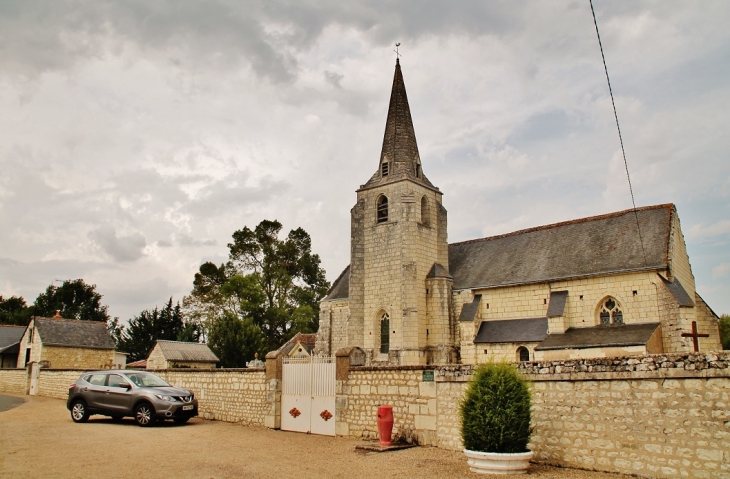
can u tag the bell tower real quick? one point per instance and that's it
(400, 288)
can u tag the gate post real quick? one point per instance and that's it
(272, 420)
(345, 358)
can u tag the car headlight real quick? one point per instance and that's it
(165, 398)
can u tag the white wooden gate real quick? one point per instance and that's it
(308, 395)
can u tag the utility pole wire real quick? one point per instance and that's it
(620, 138)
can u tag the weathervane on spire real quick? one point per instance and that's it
(397, 54)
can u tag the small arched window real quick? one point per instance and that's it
(385, 333)
(425, 211)
(523, 354)
(382, 209)
(610, 312)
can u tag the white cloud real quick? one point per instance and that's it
(721, 270)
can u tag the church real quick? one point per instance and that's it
(612, 285)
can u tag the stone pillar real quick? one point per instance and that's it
(272, 420)
(344, 359)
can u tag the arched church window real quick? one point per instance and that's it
(425, 211)
(382, 209)
(385, 333)
(610, 312)
(523, 354)
(384, 169)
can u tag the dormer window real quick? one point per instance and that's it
(384, 169)
(382, 208)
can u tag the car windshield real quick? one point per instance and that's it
(146, 380)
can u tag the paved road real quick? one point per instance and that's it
(9, 402)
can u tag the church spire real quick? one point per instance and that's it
(399, 156)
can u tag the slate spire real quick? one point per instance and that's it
(399, 156)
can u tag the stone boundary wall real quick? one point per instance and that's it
(54, 383)
(230, 395)
(14, 381)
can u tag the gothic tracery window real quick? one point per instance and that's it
(610, 312)
(382, 206)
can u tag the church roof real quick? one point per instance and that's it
(400, 149)
(529, 330)
(585, 247)
(603, 336)
(74, 333)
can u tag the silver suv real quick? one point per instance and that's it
(139, 394)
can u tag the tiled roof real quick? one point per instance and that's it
(585, 247)
(190, 352)
(469, 310)
(678, 291)
(400, 149)
(527, 330)
(10, 336)
(603, 336)
(557, 303)
(580, 248)
(142, 364)
(73, 333)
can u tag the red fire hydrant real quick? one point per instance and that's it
(385, 424)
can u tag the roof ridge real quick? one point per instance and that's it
(85, 321)
(566, 223)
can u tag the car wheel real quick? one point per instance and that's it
(181, 420)
(144, 415)
(79, 411)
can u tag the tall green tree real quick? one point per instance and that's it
(14, 310)
(275, 282)
(74, 299)
(236, 340)
(140, 335)
(725, 331)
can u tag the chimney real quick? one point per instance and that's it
(58, 314)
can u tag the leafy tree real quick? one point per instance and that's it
(235, 340)
(276, 283)
(74, 299)
(143, 331)
(14, 310)
(725, 331)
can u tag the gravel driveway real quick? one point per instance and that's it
(40, 440)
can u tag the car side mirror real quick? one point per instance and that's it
(125, 386)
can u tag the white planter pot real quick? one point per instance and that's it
(497, 462)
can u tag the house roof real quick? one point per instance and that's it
(469, 310)
(527, 330)
(189, 352)
(602, 336)
(340, 289)
(584, 247)
(142, 364)
(10, 336)
(74, 333)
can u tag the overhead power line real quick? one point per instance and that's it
(620, 138)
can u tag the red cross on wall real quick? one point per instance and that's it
(694, 335)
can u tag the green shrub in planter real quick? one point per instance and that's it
(495, 412)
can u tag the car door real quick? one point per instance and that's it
(94, 391)
(118, 395)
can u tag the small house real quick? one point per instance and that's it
(67, 344)
(178, 354)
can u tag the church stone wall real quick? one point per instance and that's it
(679, 266)
(333, 320)
(707, 323)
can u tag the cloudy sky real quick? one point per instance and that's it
(136, 136)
